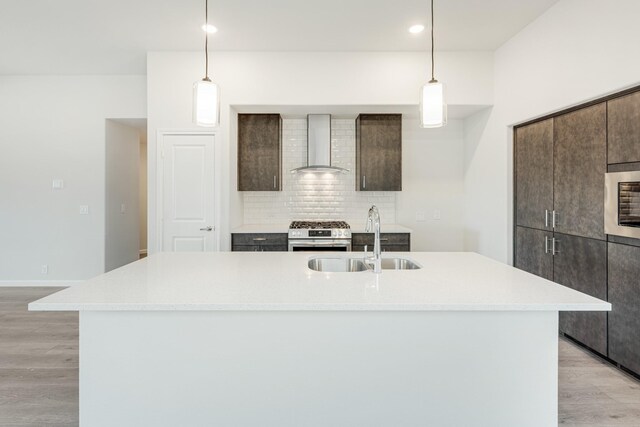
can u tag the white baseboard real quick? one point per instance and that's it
(38, 283)
(143, 252)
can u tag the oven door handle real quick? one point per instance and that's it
(308, 244)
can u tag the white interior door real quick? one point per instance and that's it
(188, 193)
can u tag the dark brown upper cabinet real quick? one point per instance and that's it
(624, 129)
(379, 152)
(259, 152)
(580, 162)
(534, 183)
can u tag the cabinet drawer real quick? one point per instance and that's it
(262, 239)
(386, 239)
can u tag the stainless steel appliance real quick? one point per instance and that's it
(622, 204)
(319, 236)
(319, 146)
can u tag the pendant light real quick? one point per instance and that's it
(433, 109)
(206, 94)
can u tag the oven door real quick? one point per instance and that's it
(320, 245)
(622, 204)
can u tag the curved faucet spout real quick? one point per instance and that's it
(373, 221)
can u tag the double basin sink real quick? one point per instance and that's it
(350, 265)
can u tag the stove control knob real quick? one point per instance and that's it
(335, 233)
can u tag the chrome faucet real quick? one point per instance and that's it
(373, 222)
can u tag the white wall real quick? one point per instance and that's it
(248, 78)
(432, 184)
(54, 127)
(578, 50)
(122, 234)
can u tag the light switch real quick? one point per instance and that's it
(436, 214)
(57, 184)
(123, 208)
(421, 216)
(84, 209)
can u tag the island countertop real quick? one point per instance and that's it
(282, 281)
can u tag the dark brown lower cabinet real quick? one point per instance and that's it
(581, 264)
(624, 296)
(532, 252)
(389, 242)
(259, 242)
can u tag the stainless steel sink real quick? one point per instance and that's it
(337, 265)
(399, 264)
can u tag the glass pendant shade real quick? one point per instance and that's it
(433, 109)
(206, 103)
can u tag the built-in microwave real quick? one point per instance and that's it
(622, 204)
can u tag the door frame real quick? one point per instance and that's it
(217, 174)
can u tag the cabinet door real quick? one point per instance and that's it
(623, 126)
(259, 152)
(624, 296)
(534, 174)
(581, 264)
(379, 152)
(580, 162)
(532, 252)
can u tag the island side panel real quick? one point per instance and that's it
(167, 368)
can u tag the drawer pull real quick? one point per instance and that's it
(259, 239)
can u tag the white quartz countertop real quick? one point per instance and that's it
(267, 281)
(284, 228)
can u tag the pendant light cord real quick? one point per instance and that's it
(206, 40)
(432, 46)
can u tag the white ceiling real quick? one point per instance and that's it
(112, 36)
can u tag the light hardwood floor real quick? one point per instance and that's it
(39, 372)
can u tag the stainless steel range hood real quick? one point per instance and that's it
(319, 146)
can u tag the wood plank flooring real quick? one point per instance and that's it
(39, 372)
(38, 362)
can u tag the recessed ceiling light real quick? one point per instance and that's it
(415, 29)
(209, 28)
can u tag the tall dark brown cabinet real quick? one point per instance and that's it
(379, 152)
(259, 152)
(580, 162)
(560, 164)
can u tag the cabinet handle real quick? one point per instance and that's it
(274, 181)
(554, 241)
(364, 181)
(384, 240)
(546, 245)
(554, 219)
(259, 239)
(546, 218)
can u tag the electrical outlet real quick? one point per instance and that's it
(44, 269)
(421, 216)
(57, 184)
(436, 214)
(123, 208)
(84, 209)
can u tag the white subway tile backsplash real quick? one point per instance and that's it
(309, 196)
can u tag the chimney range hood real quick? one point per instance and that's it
(319, 146)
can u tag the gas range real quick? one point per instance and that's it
(319, 229)
(319, 236)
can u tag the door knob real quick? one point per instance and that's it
(209, 228)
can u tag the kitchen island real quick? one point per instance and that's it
(260, 339)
